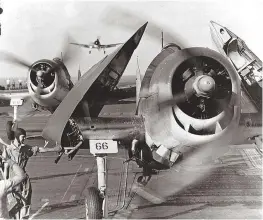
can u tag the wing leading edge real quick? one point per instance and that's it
(11, 94)
(109, 45)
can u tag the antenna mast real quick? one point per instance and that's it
(162, 39)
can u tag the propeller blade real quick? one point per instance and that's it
(67, 53)
(224, 105)
(11, 58)
(127, 20)
(197, 165)
(177, 99)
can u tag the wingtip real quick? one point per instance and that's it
(214, 24)
(145, 24)
(211, 24)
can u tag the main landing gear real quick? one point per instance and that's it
(93, 204)
(96, 200)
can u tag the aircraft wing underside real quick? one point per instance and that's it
(88, 96)
(120, 95)
(111, 128)
(9, 94)
(109, 45)
(83, 45)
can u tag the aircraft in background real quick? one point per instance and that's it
(247, 64)
(97, 45)
(188, 102)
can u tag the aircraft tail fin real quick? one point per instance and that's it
(138, 85)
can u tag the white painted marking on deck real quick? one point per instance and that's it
(150, 196)
(254, 158)
(71, 183)
(72, 198)
(38, 211)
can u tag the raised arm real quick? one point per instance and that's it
(57, 148)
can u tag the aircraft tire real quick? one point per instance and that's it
(93, 204)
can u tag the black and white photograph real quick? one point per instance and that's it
(131, 109)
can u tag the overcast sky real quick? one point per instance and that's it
(36, 29)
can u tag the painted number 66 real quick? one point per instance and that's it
(103, 146)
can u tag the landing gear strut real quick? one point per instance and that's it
(96, 201)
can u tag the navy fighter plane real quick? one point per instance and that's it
(97, 45)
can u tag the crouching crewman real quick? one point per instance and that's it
(7, 185)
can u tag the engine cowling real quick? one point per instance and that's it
(210, 114)
(48, 88)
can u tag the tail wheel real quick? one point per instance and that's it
(93, 204)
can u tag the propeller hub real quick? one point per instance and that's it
(204, 85)
(40, 73)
